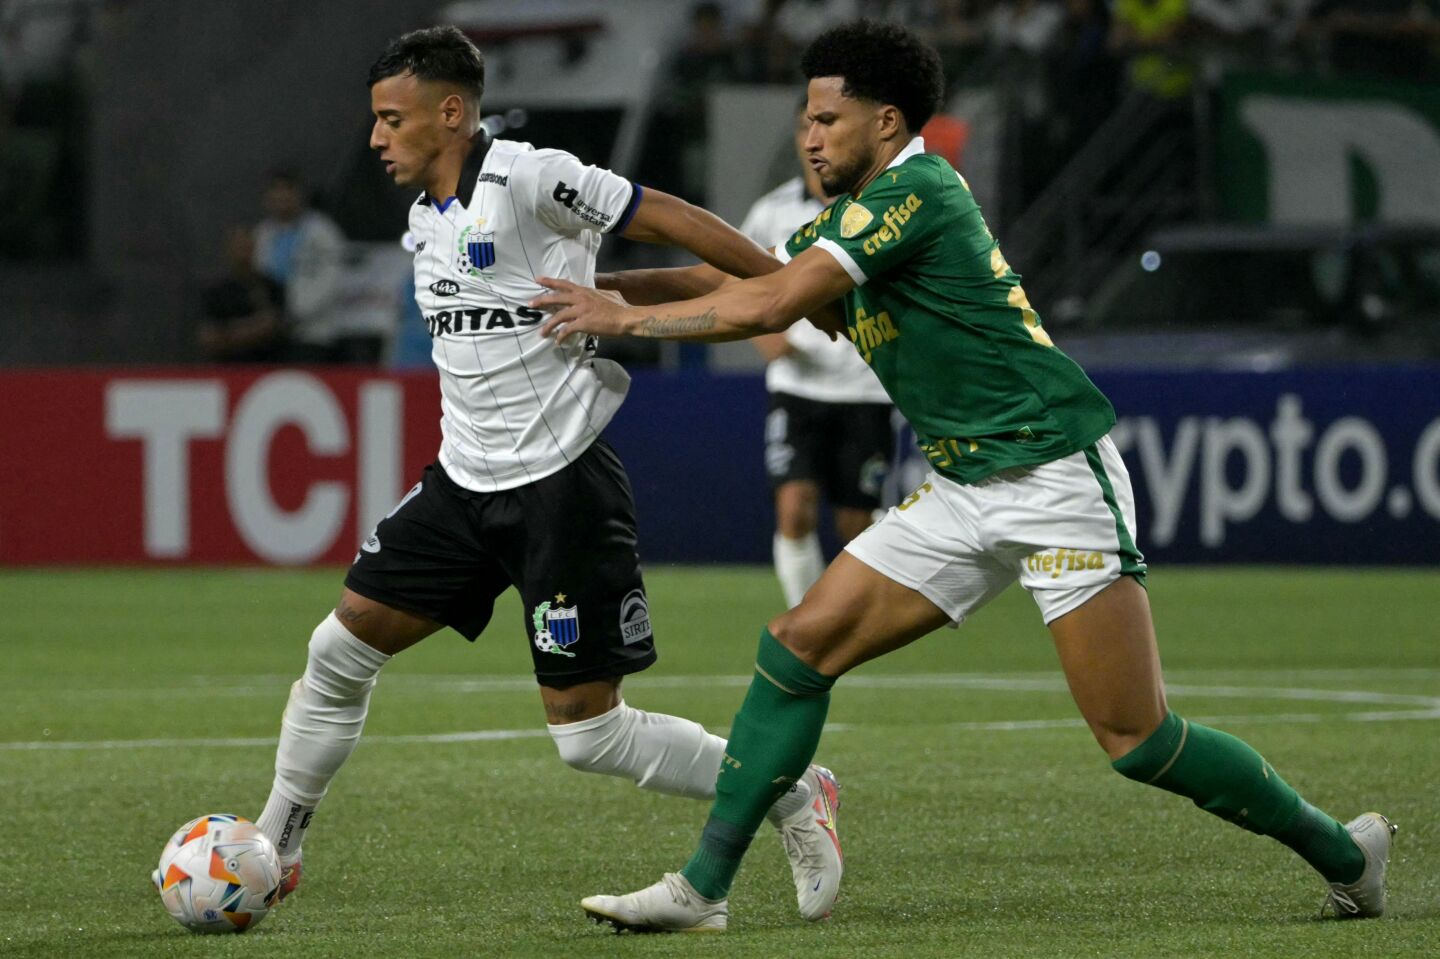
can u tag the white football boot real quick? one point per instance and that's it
(813, 845)
(671, 905)
(1365, 897)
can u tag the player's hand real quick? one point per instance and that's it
(579, 309)
(830, 320)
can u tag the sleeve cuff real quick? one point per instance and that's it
(636, 193)
(843, 258)
(782, 254)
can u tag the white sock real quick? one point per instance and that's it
(285, 822)
(798, 564)
(319, 731)
(661, 753)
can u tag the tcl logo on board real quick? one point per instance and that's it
(167, 416)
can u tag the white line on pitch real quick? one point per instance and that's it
(1036, 682)
(477, 735)
(494, 735)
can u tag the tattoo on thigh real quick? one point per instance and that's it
(558, 713)
(349, 614)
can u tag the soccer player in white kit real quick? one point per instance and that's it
(525, 492)
(828, 430)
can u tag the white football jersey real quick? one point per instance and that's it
(515, 407)
(830, 371)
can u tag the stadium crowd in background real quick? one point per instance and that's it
(1062, 66)
(1058, 68)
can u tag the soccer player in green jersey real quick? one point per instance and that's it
(1025, 484)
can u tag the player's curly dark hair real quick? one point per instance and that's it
(434, 53)
(883, 62)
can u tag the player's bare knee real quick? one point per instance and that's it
(1120, 737)
(809, 631)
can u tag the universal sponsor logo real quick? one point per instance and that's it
(569, 197)
(499, 179)
(444, 287)
(634, 618)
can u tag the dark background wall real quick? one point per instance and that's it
(190, 106)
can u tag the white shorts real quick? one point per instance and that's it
(1065, 529)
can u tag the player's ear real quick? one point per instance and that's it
(453, 111)
(889, 121)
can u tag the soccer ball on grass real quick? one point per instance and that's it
(218, 873)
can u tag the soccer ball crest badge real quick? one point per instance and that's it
(556, 628)
(476, 250)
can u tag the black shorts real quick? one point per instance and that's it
(566, 542)
(844, 448)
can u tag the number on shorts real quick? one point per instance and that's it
(914, 497)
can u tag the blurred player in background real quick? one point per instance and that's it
(526, 493)
(1025, 484)
(828, 430)
(303, 250)
(241, 313)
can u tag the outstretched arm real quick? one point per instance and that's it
(662, 218)
(734, 311)
(646, 287)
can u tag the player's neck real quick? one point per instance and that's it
(444, 176)
(884, 156)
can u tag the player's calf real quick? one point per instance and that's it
(1227, 778)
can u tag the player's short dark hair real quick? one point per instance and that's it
(883, 62)
(434, 53)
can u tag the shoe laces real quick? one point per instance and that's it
(802, 844)
(1341, 902)
(680, 890)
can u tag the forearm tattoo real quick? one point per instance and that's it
(677, 325)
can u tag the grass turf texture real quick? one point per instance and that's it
(979, 818)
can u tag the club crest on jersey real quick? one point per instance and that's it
(856, 218)
(556, 628)
(476, 249)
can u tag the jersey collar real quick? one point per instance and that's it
(469, 176)
(914, 148)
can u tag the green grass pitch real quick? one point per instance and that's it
(979, 818)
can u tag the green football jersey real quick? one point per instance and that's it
(945, 324)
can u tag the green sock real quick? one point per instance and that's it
(1226, 777)
(771, 744)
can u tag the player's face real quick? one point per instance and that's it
(410, 126)
(842, 140)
